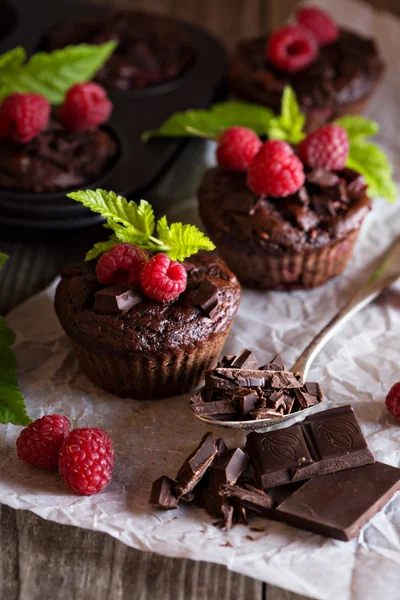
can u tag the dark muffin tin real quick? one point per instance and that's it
(138, 164)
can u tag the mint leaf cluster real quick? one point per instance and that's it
(51, 74)
(135, 223)
(212, 122)
(12, 405)
(289, 125)
(367, 158)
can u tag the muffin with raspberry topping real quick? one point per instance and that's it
(144, 325)
(333, 71)
(292, 218)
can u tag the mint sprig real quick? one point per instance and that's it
(367, 158)
(212, 122)
(51, 74)
(12, 405)
(135, 223)
(289, 125)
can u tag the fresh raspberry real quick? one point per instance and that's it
(163, 279)
(393, 401)
(327, 148)
(292, 48)
(39, 444)
(23, 117)
(86, 460)
(319, 23)
(122, 264)
(86, 106)
(275, 171)
(237, 148)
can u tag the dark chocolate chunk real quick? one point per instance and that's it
(322, 178)
(285, 380)
(303, 195)
(265, 413)
(246, 399)
(221, 447)
(228, 468)
(338, 505)
(244, 360)
(116, 298)
(313, 388)
(243, 377)
(188, 498)
(162, 494)
(306, 400)
(206, 297)
(251, 499)
(195, 465)
(216, 380)
(328, 441)
(227, 360)
(225, 406)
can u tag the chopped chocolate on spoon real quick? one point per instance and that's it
(237, 390)
(338, 505)
(326, 442)
(116, 298)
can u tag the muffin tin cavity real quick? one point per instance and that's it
(137, 165)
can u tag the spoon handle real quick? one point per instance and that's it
(386, 273)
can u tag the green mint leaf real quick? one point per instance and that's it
(358, 127)
(289, 125)
(52, 74)
(181, 241)
(369, 160)
(13, 58)
(12, 405)
(3, 259)
(101, 247)
(211, 123)
(137, 220)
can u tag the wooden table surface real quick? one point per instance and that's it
(41, 560)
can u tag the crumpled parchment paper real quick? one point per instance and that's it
(153, 438)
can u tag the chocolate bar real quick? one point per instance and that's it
(116, 298)
(338, 505)
(237, 390)
(326, 442)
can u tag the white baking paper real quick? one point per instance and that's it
(152, 438)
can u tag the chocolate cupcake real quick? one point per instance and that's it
(332, 71)
(151, 49)
(152, 349)
(146, 326)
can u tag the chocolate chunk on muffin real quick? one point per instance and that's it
(153, 349)
(151, 49)
(331, 77)
(297, 241)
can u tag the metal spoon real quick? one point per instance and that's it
(385, 274)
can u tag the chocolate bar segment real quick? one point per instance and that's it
(326, 442)
(338, 505)
(195, 465)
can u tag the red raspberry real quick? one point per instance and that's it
(237, 148)
(275, 171)
(23, 117)
(39, 443)
(327, 147)
(122, 264)
(163, 279)
(291, 48)
(393, 401)
(86, 106)
(319, 23)
(86, 460)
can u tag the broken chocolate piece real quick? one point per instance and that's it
(251, 499)
(338, 505)
(227, 360)
(195, 465)
(229, 468)
(206, 297)
(313, 388)
(322, 178)
(265, 413)
(162, 495)
(215, 380)
(329, 441)
(225, 406)
(306, 400)
(244, 360)
(116, 298)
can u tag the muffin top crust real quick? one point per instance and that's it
(344, 71)
(149, 326)
(327, 207)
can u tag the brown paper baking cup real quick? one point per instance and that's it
(308, 269)
(144, 376)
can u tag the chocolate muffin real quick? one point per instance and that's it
(56, 160)
(151, 49)
(152, 350)
(299, 241)
(339, 81)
